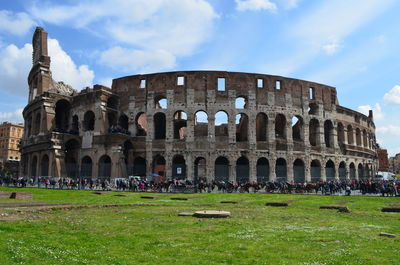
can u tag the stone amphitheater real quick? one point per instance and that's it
(196, 125)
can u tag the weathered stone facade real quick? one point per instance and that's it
(193, 124)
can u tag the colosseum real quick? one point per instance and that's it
(195, 125)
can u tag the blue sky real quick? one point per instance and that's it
(351, 45)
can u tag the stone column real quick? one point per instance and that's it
(323, 172)
(232, 170)
(272, 164)
(289, 170)
(345, 138)
(271, 132)
(210, 170)
(189, 167)
(253, 168)
(190, 128)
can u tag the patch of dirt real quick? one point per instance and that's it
(343, 203)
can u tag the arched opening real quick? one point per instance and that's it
(342, 170)
(88, 121)
(112, 121)
(242, 127)
(72, 148)
(365, 139)
(34, 167)
(350, 138)
(315, 171)
(261, 126)
(159, 165)
(352, 171)
(180, 125)
(313, 109)
(298, 171)
(44, 166)
(262, 170)
(123, 122)
(201, 124)
(63, 108)
(358, 137)
(281, 170)
(240, 103)
(340, 133)
(141, 124)
(86, 167)
(314, 132)
(37, 124)
(178, 167)
(222, 169)
(360, 171)
(112, 102)
(75, 125)
(105, 167)
(280, 126)
(139, 167)
(29, 126)
(159, 126)
(242, 170)
(127, 151)
(161, 103)
(221, 124)
(330, 170)
(200, 169)
(297, 128)
(328, 133)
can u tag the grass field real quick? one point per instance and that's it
(150, 232)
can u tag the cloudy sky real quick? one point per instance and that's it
(351, 45)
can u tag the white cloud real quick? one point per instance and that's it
(389, 130)
(141, 61)
(377, 111)
(15, 64)
(147, 28)
(331, 47)
(290, 4)
(255, 5)
(106, 81)
(13, 116)
(15, 23)
(64, 69)
(393, 96)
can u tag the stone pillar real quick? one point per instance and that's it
(210, 170)
(323, 172)
(345, 138)
(289, 170)
(189, 167)
(253, 168)
(272, 164)
(168, 165)
(190, 128)
(307, 169)
(271, 132)
(232, 170)
(306, 134)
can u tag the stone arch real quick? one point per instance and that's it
(360, 169)
(222, 169)
(313, 108)
(340, 135)
(200, 169)
(342, 170)
(75, 125)
(330, 170)
(242, 170)
(242, 127)
(86, 167)
(71, 149)
(178, 167)
(37, 123)
(159, 165)
(281, 170)
(241, 102)
(221, 124)
(141, 124)
(161, 102)
(328, 133)
(63, 109)
(299, 171)
(280, 126)
(350, 136)
(261, 126)
(34, 167)
(180, 125)
(297, 128)
(352, 171)
(159, 122)
(139, 167)
(262, 169)
(358, 137)
(105, 167)
(44, 166)
(315, 170)
(200, 124)
(314, 132)
(123, 122)
(88, 121)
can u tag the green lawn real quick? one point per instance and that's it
(151, 232)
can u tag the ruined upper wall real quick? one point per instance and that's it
(263, 87)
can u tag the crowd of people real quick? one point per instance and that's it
(337, 187)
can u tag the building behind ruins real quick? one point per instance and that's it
(10, 135)
(191, 125)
